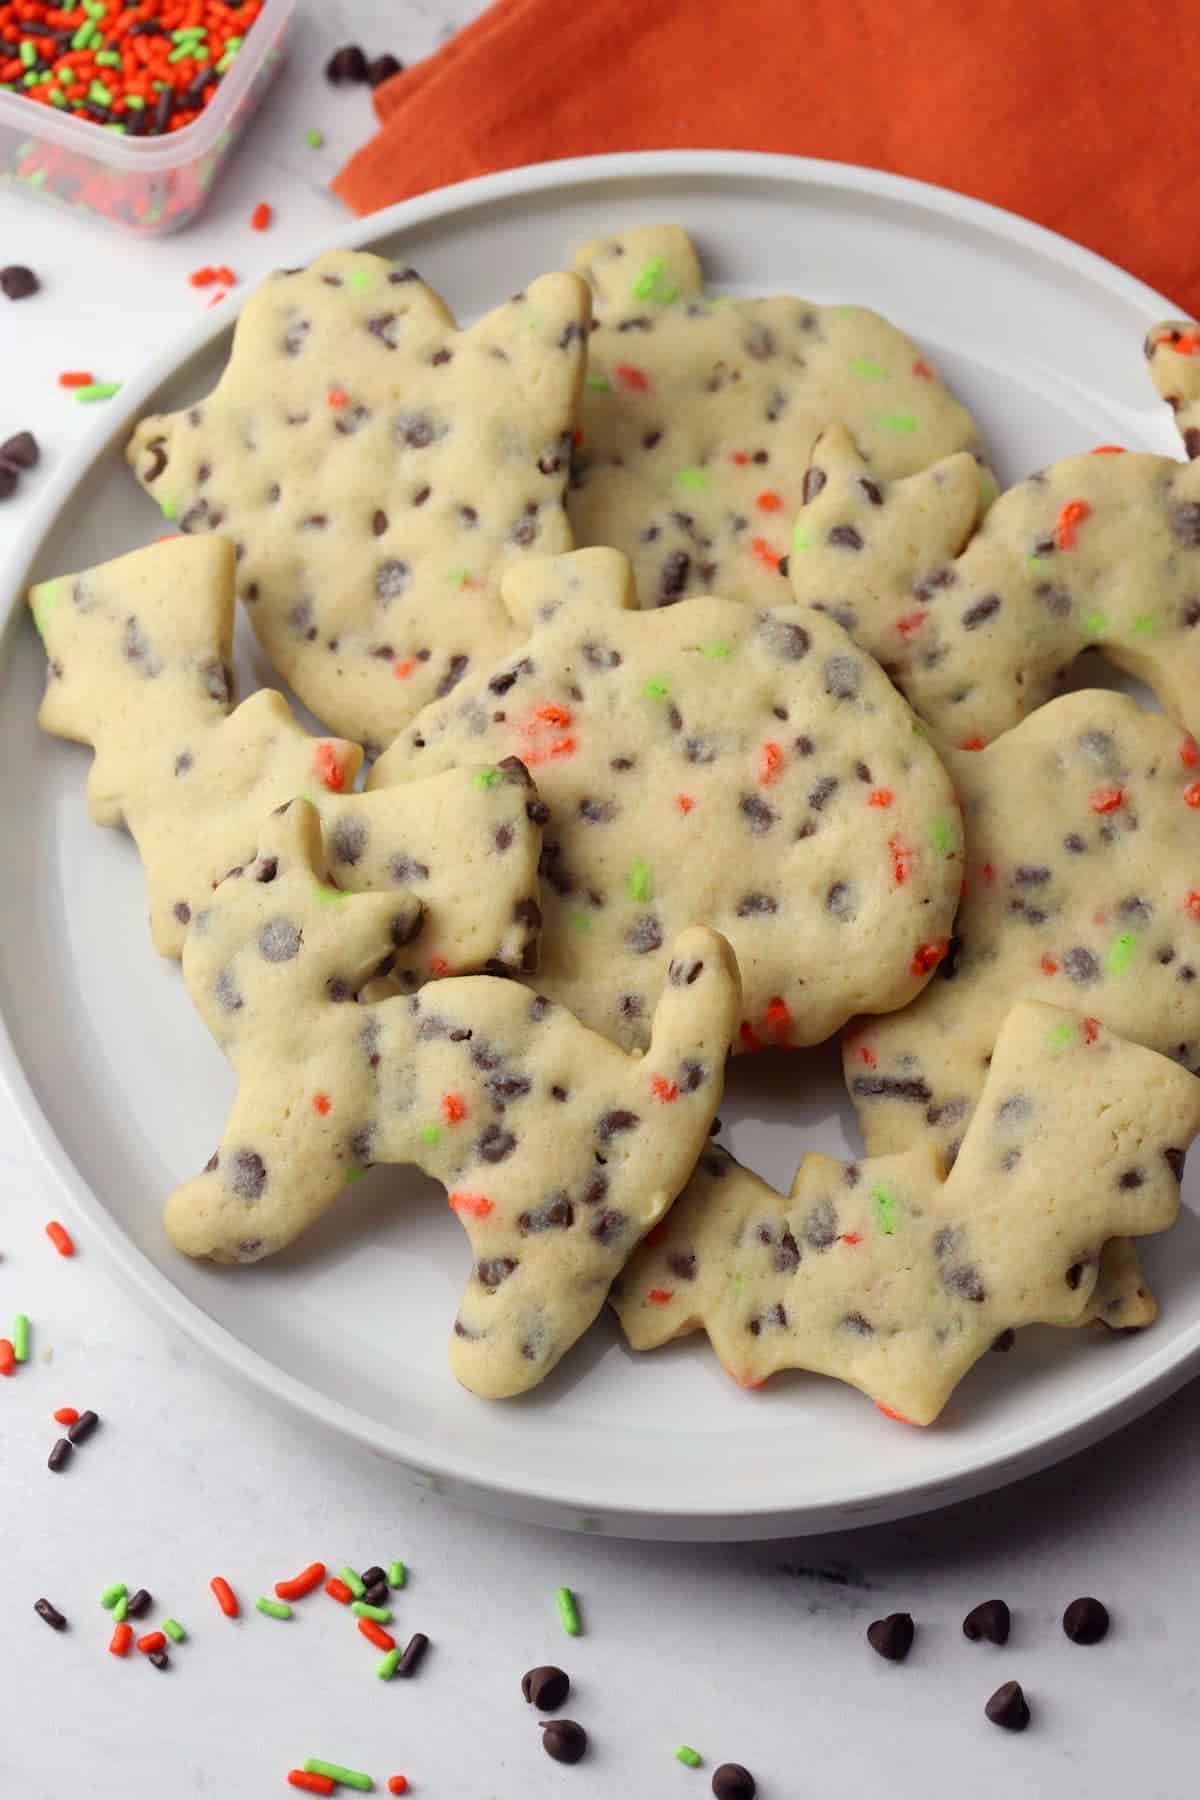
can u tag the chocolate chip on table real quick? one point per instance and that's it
(51, 1614)
(138, 1603)
(8, 481)
(83, 1427)
(60, 1456)
(892, 1637)
(349, 64)
(564, 1740)
(546, 1687)
(382, 68)
(1008, 1707)
(20, 451)
(1086, 1620)
(160, 1659)
(732, 1782)
(991, 1619)
(18, 282)
(375, 1593)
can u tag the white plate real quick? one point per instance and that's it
(124, 1092)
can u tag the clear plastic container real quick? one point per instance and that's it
(147, 185)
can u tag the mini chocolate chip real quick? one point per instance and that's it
(892, 1637)
(980, 611)
(493, 1270)
(21, 451)
(249, 1175)
(159, 1659)
(348, 64)
(1175, 1160)
(991, 1619)
(60, 1456)
(1086, 1620)
(845, 537)
(17, 282)
(8, 481)
(139, 1603)
(732, 1781)
(382, 68)
(1005, 1341)
(564, 1740)
(376, 1592)
(1008, 1707)
(546, 1687)
(279, 940)
(45, 1610)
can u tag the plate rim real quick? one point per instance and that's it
(1063, 1431)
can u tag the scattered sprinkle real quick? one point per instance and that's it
(685, 1754)
(388, 1665)
(375, 1634)
(226, 1598)
(311, 1783)
(8, 1361)
(174, 1630)
(20, 1339)
(351, 1778)
(65, 1415)
(274, 1609)
(357, 1588)
(301, 1584)
(120, 1640)
(60, 1237)
(313, 138)
(397, 1784)
(59, 1456)
(97, 390)
(396, 1573)
(76, 378)
(261, 217)
(380, 1614)
(414, 1651)
(568, 1611)
(337, 1590)
(153, 1640)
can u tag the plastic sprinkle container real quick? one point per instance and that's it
(148, 185)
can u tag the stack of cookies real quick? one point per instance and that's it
(707, 694)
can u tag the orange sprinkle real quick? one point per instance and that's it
(201, 278)
(851, 1238)
(770, 763)
(989, 874)
(1072, 514)
(880, 797)
(549, 714)
(1106, 800)
(911, 622)
(633, 378)
(216, 299)
(975, 743)
(329, 766)
(541, 753)
(778, 1015)
(301, 1584)
(1049, 965)
(397, 1784)
(261, 217)
(763, 551)
(922, 368)
(121, 1639)
(1192, 795)
(438, 967)
(747, 1036)
(60, 1237)
(478, 1205)
(66, 1415)
(740, 457)
(153, 1640)
(8, 1357)
(660, 1296)
(225, 276)
(337, 1590)
(1189, 752)
(664, 1090)
(1109, 450)
(684, 802)
(769, 501)
(1187, 343)
(226, 1598)
(375, 1634)
(403, 669)
(337, 397)
(866, 1056)
(73, 378)
(321, 1104)
(901, 860)
(1091, 1030)
(927, 957)
(454, 1109)
(1192, 903)
(889, 1414)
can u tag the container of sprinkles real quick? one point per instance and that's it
(127, 111)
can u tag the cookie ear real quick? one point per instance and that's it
(1173, 351)
(648, 267)
(701, 999)
(599, 581)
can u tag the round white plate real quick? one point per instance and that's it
(124, 1092)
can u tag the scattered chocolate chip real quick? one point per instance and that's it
(382, 68)
(349, 64)
(21, 450)
(8, 481)
(17, 282)
(564, 1740)
(375, 1593)
(892, 1637)
(138, 1603)
(160, 1659)
(991, 1619)
(60, 1456)
(51, 1614)
(369, 1577)
(1008, 1707)
(414, 1650)
(732, 1782)
(83, 1427)
(1086, 1620)
(546, 1687)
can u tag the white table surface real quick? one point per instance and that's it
(751, 1653)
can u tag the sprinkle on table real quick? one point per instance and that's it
(120, 1611)
(97, 390)
(301, 1584)
(351, 1778)
(152, 1641)
(380, 1614)
(65, 1415)
(119, 1642)
(397, 1784)
(59, 1456)
(261, 217)
(274, 1609)
(139, 1603)
(174, 1630)
(116, 1591)
(387, 1665)
(396, 1573)
(352, 1581)
(20, 1338)
(8, 1361)
(568, 1611)
(60, 1237)
(337, 1590)
(76, 378)
(226, 1598)
(314, 138)
(311, 1783)
(685, 1754)
(375, 1634)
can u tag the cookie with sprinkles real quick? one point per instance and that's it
(1082, 846)
(1173, 352)
(718, 764)
(140, 668)
(891, 1276)
(378, 468)
(699, 415)
(558, 1151)
(1099, 551)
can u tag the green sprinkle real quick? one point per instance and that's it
(943, 836)
(653, 283)
(201, 53)
(846, 312)
(132, 100)
(20, 1337)
(226, 61)
(1095, 624)
(274, 1609)
(715, 652)
(387, 1665)
(84, 35)
(312, 137)
(179, 52)
(120, 131)
(28, 52)
(107, 59)
(57, 99)
(351, 1778)
(330, 896)
(352, 1582)
(801, 539)
(188, 31)
(1145, 624)
(431, 1135)
(486, 778)
(100, 93)
(174, 1630)
(42, 603)
(594, 379)
(568, 1611)
(685, 1754)
(868, 368)
(110, 1596)
(119, 1610)
(359, 280)
(380, 1614)
(352, 1175)
(900, 422)
(459, 577)
(395, 1574)
(1121, 952)
(1061, 1036)
(580, 922)
(886, 1206)
(102, 390)
(639, 882)
(168, 508)
(692, 478)
(30, 78)
(655, 690)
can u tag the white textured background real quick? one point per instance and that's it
(753, 1653)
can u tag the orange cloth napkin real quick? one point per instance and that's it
(1081, 114)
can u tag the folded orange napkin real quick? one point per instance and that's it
(1080, 114)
